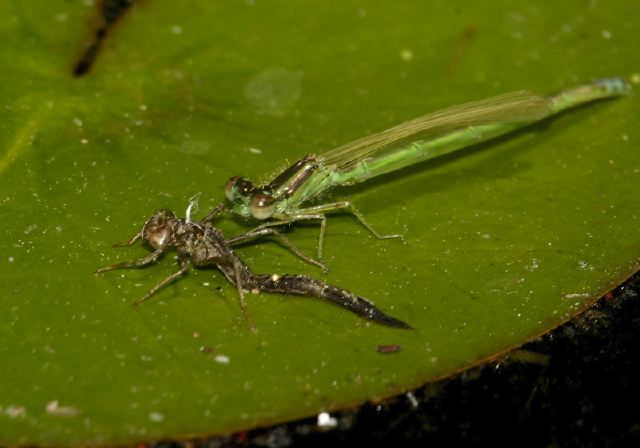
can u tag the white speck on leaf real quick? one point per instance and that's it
(576, 295)
(222, 359)
(54, 408)
(14, 411)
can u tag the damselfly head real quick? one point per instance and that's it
(239, 188)
(158, 230)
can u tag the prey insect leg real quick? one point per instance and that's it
(138, 263)
(239, 286)
(185, 264)
(133, 239)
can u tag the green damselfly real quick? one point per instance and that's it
(421, 139)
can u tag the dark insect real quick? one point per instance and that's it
(202, 244)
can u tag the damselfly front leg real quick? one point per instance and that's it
(268, 231)
(317, 213)
(213, 213)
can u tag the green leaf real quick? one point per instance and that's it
(502, 241)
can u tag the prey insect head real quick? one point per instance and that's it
(158, 230)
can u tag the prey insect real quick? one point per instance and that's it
(283, 199)
(202, 244)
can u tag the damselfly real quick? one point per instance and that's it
(284, 198)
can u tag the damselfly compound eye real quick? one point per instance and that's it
(262, 206)
(238, 186)
(230, 187)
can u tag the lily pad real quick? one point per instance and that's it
(502, 241)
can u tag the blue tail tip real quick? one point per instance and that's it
(614, 85)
